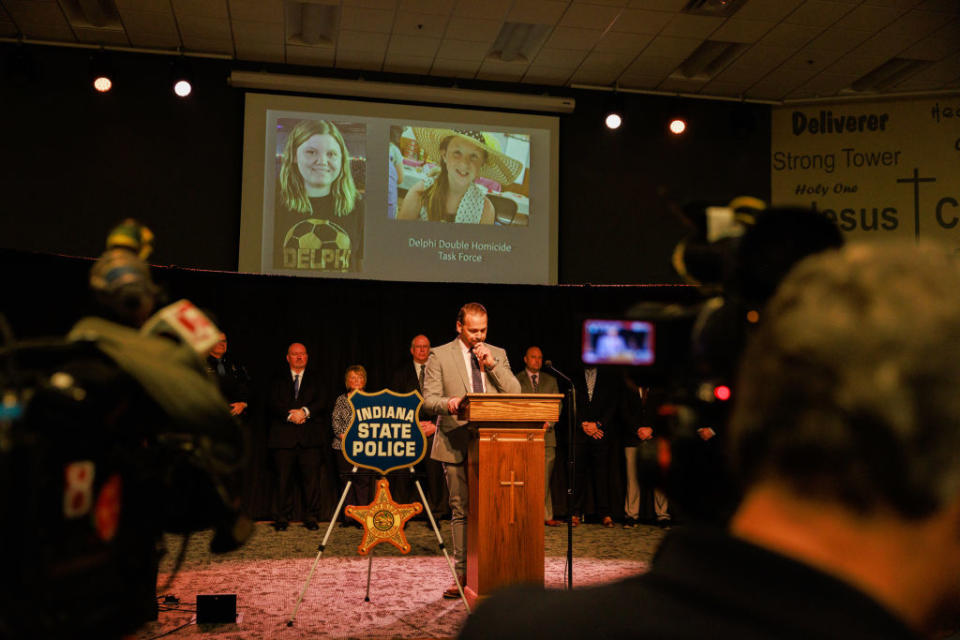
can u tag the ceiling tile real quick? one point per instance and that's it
(473, 29)
(606, 3)
(652, 66)
(597, 76)
(754, 63)
(102, 36)
(141, 23)
(200, 8)
(900, 5)
(639, 81)
(420, 24)
(371, 4)
(937, 46)
(596, 59)
(838, 41)
(828, 84)
(668, 47)
(573, 38)
(659, 5)
(944, 73)
(540, 74)
(436, 7)
(363, 42)
(867, 18)
(681, 85)
(454, 68)
(411, 47)
(857, 65)
(949, 7)
(745, 31)
(912, 27)
(728, 89)
(501, 71)
(879, 45)
(319, 56)
(150, 40)
(257, 10)
(816, 13)
(359, 60)
(261, 52)
(209, 45)
(207, 28)
(364, 19)
(462, 50)
(560, 58)
(257, 31)
(770, 11)
(623, 42)
(536, 11)
(684, 25)
(408, 64)
(141, 5)
(790, 35)
(808, 62)
(589, 16)
(644, 22)
(488, 9)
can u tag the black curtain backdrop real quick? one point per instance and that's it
(341, 322)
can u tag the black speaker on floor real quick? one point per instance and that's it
(217, 609)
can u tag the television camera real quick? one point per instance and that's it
(686, 356)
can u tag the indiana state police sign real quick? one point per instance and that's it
(385, 433)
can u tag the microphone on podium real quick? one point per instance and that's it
(549, 365)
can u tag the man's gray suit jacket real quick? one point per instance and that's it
(546, 384)
(447, 377)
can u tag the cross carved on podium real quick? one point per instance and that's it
(513, 482)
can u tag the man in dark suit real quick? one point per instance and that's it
(597, 403)
(296, 411)
(532, 380)
(408, 378)
(465, 365)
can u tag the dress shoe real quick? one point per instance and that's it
(280, 525)
(664, 523)
(631, 523)
(312, 525)
(552, 523)
(607, 522)
(452, 592)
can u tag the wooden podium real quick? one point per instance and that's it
(505, 469)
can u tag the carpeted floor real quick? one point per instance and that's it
(269, 572)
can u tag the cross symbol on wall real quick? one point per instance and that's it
(513, 482)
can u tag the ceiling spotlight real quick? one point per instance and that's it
(614, 110)
(678, 126)
(100, 72)
(102, 84)
(182, 83)
(182, 88)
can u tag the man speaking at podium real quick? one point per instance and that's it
(465, 365)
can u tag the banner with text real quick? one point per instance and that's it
(881, 170)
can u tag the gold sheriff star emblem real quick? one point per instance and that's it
(383, 520)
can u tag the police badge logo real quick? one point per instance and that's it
(383, 520)
(385, 433)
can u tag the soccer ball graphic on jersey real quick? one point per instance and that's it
(316, 244)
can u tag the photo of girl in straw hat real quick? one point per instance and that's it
(452, 193)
